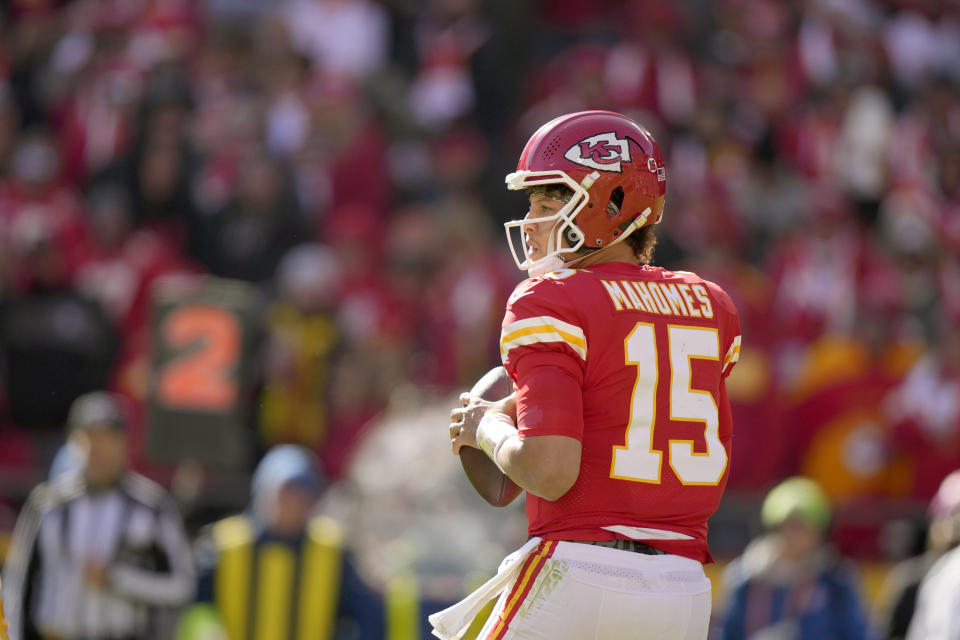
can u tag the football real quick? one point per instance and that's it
(487, 479)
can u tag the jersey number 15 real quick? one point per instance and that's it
(638, 461)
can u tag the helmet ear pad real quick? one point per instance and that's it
(571, 235)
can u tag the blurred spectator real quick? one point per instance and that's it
(281, 571)
(924, 411)
(9, 122)
(157, 169)
(93, 85)
(100, 551)
(247, 238)
(920, 42)
(861, 150)
(936, 614)
(380, 308)
(116, 267)
(650, 70)
(40, 217)
(238, 10)
(341, 37)
(816, 272)
(788, 583)
(471, 282)
(302, 340)
(287, 116)
(30, 32)
(902, 585)
(837, 428)
(347, 148)
(56, 345)
(461, 289)
(448, 34)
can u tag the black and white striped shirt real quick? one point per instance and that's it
(134, 529)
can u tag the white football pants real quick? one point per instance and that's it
(570, 591)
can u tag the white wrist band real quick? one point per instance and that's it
(494, 429)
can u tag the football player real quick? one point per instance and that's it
(619, 429)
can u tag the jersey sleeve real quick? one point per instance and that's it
(544, 349)
(542, 327)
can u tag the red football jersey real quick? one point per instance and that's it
(651, 349)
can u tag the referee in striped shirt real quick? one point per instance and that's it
(98, 553)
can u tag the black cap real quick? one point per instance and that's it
(97, 410)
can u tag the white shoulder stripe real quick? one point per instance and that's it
(542, 329)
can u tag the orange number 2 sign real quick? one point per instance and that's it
(202, 375)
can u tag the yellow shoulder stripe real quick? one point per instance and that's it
(542, 329)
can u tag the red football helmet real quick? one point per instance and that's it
(602, 156)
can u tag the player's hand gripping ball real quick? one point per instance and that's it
(487, 479)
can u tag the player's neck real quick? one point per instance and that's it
(620, 252)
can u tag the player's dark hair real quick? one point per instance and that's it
(642, 241)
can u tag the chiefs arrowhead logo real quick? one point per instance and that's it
(604, 151)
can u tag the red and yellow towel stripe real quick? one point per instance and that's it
(521, 588)
(542, 329)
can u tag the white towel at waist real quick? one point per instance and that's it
(453, 622)
(643, 533)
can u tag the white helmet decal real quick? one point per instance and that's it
(603, 151)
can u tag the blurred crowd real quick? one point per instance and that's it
(273, 222)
